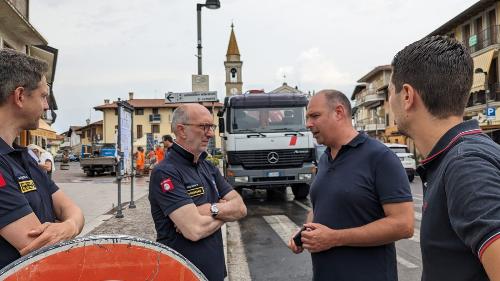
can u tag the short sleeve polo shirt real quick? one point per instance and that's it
(24, 189)
(349, 191)
(178, 181)
(461, 209)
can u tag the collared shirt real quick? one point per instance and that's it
(461, 209)
(350, 191)
(24, 189)
(178, 181)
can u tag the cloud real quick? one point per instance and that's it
(314, 67)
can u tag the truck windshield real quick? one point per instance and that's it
(267, 120)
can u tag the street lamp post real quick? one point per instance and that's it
(486, 91)
(210, 4)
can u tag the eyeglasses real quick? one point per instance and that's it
(206, 127)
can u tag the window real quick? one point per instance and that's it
(139, 131)
(139, 111)
(116, 111)
(155, 110)
(155, 129)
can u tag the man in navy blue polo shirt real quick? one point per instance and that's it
(460, 229)
(190, 200)
(33, 211)
(361, 199)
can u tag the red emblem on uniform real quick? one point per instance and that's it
(167, 185)
(2, 181)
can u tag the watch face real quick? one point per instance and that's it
(214, 209)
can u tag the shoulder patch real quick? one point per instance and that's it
(167, 185)
(2, 181)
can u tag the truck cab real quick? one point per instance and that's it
(265, 142)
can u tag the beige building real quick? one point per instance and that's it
(371, 110)
(16, 32)
(478, 29)
(151, 120)
(91, 133)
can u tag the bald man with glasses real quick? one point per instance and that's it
(190, 199)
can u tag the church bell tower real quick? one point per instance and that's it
(233, 65)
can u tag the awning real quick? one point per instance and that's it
(46, 56)
(44, 130)
(482, 61)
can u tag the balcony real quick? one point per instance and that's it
(371, 124)
(154, 118)
(477, 101)
(485, 38)
(370, 99)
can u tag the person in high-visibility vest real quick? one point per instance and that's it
(140, 158)
(159, 154)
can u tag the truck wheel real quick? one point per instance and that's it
(90, 173)
(300, 191)
(411, 178)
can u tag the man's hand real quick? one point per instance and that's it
(318, 238)
(291, 244)
(49, 234)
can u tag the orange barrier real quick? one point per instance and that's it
(106, 257)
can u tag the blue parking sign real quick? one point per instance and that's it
(490, 112)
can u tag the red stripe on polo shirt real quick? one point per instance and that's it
(453, 140)
(2, 181)
(487, 244)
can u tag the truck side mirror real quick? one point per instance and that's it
(221, 125)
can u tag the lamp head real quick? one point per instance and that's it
(212, 4)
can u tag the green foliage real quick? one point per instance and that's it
(214, 160)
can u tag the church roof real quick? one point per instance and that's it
(287, 89)
(232, 48)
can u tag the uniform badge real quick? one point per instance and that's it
(27, 186)
(167, 185)
(2, 181)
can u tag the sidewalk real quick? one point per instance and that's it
(136, 222)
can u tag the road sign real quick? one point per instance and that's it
(491, 113)
(105, 257)
(210, 96)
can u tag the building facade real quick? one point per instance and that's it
(478, 28)
(151, 120)
(17, 33)
(371, 110)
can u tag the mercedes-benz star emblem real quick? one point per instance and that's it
(273, 157)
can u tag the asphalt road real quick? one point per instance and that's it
(257, 243)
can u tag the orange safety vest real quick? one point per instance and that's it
(140, 160)
(159, 154)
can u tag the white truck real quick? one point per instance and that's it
(266, 144)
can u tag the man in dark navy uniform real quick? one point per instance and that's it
(190, 200)
(460, 230)
(361, 199)
(33, 211)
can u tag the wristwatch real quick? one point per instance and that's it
(214, 210)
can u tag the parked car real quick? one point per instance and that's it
(73, 158)
(407, 158)
(58, 157)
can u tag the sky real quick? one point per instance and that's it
(109, 48)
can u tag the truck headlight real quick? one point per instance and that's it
(305, 177)
(240, 179)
